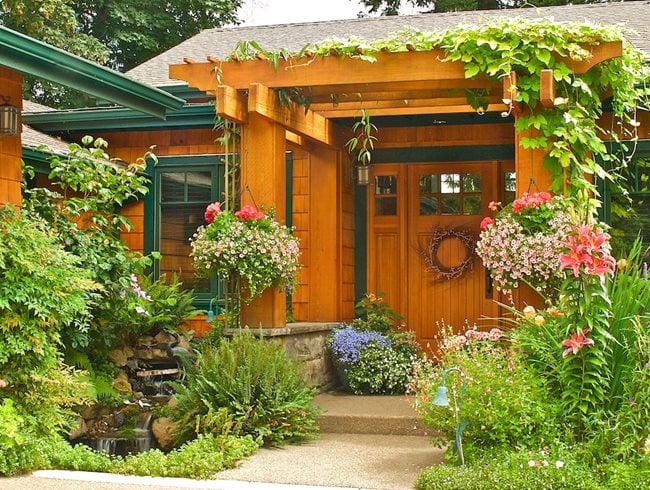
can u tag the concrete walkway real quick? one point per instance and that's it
(362, 445)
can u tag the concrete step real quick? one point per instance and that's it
(379, 415)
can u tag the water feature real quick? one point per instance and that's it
(121, 443)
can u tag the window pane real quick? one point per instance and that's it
(172, 187)
(450, 183)
(428, 205)
(385, 184)
(472, 183)
(472, 205)
(629, 220)
(510, 182)
(385, 206)
(450, 204)
(428, 184)
(199, 186)
(177, 225)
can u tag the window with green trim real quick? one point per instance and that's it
(184, 186)
(630, 215)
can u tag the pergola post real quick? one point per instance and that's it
(263, 180)
(11, 83)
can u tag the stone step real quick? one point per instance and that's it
(379, 415)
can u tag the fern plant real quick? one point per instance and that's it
(241, 386)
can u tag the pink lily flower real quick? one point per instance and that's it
(574, 343)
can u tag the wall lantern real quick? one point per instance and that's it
(8, 118)
(363, 174)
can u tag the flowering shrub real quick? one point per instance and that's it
(504, 402)
(525, 241)
(249, 245)
(373, 362)
(347, 343)
(373, 313)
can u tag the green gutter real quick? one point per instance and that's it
(29, 56)
(189, 116)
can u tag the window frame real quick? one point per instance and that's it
(215, 164)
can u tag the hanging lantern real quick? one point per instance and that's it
(363, 174)
(8, 118)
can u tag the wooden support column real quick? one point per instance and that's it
(263, 180)
(324, 235)
(531, 177)
(529, 164)
(11, 84)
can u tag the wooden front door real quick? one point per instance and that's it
(407, 204)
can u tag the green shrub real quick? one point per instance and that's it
(201, 458)
(244, 386)
(521, 470)
(42, 291)
(504, 402)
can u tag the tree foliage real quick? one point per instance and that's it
(119, 33)
(392, 7)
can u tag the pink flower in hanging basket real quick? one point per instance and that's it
(212, 211)
(486, 223)
(249, 212)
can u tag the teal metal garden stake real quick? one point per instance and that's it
(442, 400)
(212, 310)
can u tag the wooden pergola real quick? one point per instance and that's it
(396, 84)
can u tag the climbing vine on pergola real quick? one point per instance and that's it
(551, 82)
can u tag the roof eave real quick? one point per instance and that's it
(30, 56)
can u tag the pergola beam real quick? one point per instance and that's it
(412, 111)
(231, 104)
(373, 105)
(309, 124)
(327, 70)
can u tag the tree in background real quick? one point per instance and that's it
(118, 33)
(392, 7)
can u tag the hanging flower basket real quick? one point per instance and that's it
(249, 245)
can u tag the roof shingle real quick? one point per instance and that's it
(220, 42)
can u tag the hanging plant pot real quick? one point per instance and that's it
(363, 174)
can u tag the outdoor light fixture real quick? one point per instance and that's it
(8, 118)
(363, 174)
(212, 310)
(442, 400)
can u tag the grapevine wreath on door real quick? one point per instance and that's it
(432, 259)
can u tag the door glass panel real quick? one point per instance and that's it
(510, 187)
(450, 183)
(472, 205)
(386, 206)
(386, 184)
(428, 184)
(472, 183)
(428, 205)
(386, 200)
(450, 204)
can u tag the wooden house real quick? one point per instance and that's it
(436, 165)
